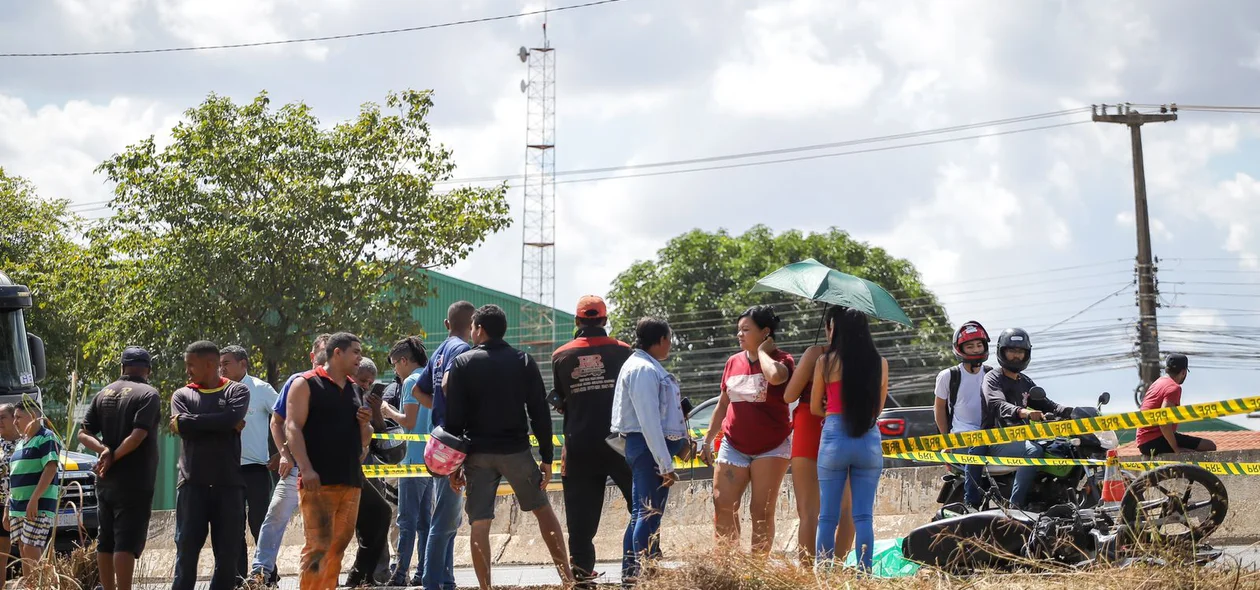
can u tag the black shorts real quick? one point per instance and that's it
(124, 519)
(1160, 445)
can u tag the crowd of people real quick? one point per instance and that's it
(252, 456)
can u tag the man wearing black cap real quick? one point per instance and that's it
(1165, 392)
(585, 375)
(124, 416)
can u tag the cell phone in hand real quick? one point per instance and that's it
(556, 401)
(378, 389)
(686, 407)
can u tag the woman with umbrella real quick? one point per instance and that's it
(850, 386)
(756, 430)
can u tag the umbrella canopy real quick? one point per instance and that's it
(811, 280)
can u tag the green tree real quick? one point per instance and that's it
(700, 283)
(37, 249)
(261, 227)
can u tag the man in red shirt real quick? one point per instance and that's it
(1166, 393)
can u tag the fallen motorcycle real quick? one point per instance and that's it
(1172, 507)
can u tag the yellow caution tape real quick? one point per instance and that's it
(1066, 428)
(1216, 467)
(556, 440)
(422, 471)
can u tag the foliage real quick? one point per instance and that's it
(37, 249)
(260, 227)
(700, 283)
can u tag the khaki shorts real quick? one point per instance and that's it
(484, 471)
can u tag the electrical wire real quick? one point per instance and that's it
(310, 39)
(745, 155)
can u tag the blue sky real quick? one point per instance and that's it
(641, 81)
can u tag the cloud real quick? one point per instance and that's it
(110, 20)
(785, 71)
(1159, 231)
(58, 146)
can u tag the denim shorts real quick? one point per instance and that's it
(729, 455)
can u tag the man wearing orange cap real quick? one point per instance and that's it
(585, 375)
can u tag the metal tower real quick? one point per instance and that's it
(538, 244)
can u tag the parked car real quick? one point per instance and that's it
(905, 422)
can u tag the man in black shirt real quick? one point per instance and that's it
(494, 394)
(208, 414)
(124, 416)
(1007, 403)
(585, 373)
(328, 425)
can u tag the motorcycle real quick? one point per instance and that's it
(1154, 514)
(1078, 485)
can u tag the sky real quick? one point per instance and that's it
(1030, 225)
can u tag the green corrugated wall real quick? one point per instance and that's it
(446, 290)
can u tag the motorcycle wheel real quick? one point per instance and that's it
(1175, 504)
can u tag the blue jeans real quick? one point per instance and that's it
(648, 497)
(415, 512)
(1024, 476)
(858, 461)
(439, 551)
(284, 502)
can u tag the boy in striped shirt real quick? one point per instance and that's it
(33, 485)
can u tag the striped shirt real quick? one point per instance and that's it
(25, 468)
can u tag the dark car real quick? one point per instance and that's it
(906, 422)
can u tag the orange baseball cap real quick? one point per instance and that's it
(591, 307)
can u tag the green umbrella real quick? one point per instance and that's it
(811, 280)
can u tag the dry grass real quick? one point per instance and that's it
(740, 571)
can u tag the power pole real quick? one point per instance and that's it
(1148, 333)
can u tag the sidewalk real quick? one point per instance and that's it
(503, 575)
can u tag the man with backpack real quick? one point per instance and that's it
(959, 403)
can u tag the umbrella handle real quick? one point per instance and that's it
(821, 322)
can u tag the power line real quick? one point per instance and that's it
(313, 39)
(755, 154)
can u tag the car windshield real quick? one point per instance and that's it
(700, 417)
(15, 359)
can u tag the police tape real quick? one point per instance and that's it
(556, 440)
(422, 471)
(1065, 428)
(1216, 467)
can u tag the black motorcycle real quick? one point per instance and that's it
(1166, 513)
(1078, 485)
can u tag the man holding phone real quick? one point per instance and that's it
(585, 375)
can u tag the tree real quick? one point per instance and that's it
(258, 226)
(700, 283)
(37, 249)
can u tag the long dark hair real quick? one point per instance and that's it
(861, 372)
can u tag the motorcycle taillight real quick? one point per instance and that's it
(892, 427)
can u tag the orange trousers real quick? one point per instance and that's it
(328, 516)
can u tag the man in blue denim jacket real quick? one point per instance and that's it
(647, 409)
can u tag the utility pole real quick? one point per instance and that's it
(1148, 333)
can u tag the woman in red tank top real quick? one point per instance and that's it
(850, 385)
(756, 431)
(806, 435)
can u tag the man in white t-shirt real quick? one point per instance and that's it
(960, 397)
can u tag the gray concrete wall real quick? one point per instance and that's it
(906, 499)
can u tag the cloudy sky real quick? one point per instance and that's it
(1028, 227)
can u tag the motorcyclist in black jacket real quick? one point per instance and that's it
(1007, 403)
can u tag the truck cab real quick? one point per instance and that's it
(22, 367)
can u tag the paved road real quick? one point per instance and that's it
(537, 575)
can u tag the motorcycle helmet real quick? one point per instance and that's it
(390, 451)
(969, 331)
(445, 452)
(1014, 338)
